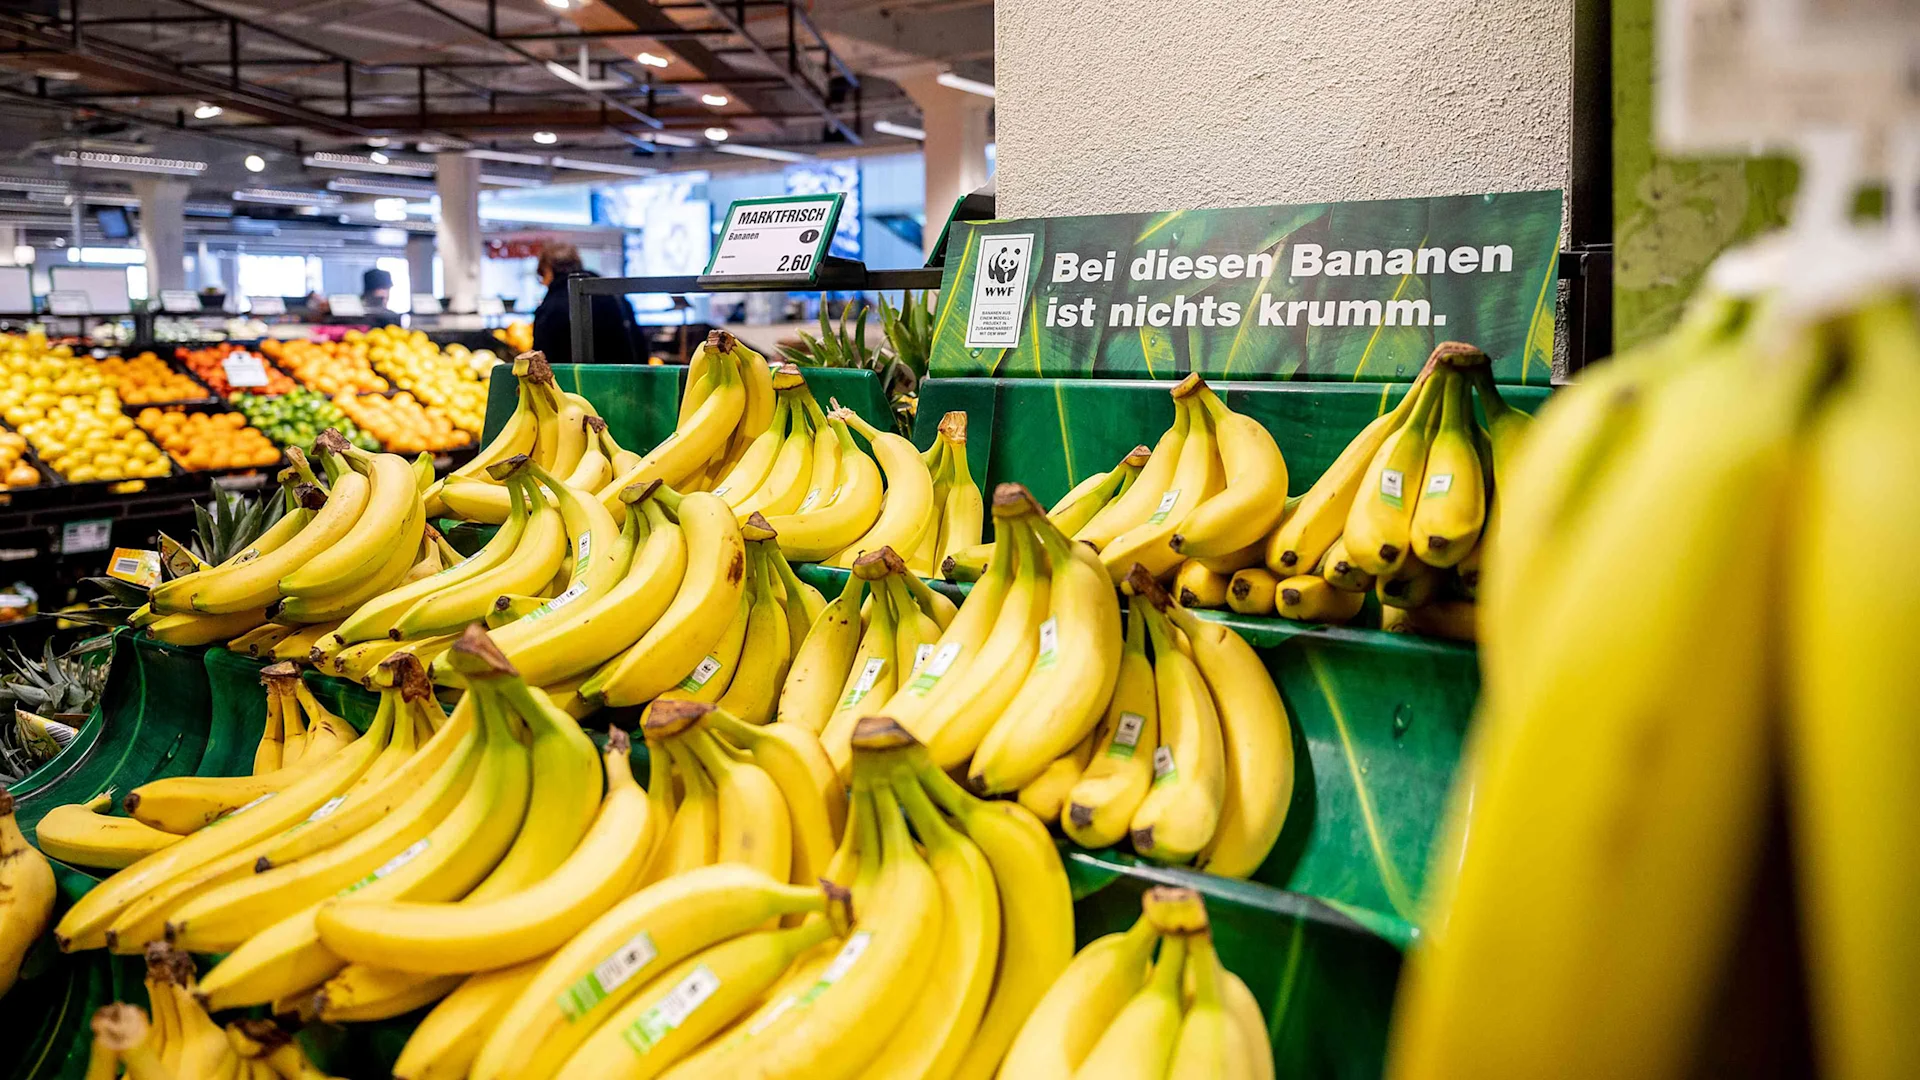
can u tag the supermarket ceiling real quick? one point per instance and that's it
(545, 89)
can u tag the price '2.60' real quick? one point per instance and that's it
(795, 264)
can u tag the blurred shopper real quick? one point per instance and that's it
(613, 327)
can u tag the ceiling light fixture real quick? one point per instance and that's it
(545, 138)
(766, 152)
(651, 60)
(966, 85)
(207, 112)
(515, 181)
(662, 138)
(392, 208)
(379, 158)
(285, 197)
(377, 141)
(256, 163)
(717, 134)
(715, 100)
(608, 167)
(90, 159)
(375, 163)
(507, 156)
(560, 5)
(355, 185)
(888, 127)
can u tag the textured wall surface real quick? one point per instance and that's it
(1111, 106)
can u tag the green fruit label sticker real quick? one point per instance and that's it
(1392, 486)
(414, 851)
(671, 1010)
(572, 592)
(864, 685)
(920, 654)
(813, 496)
(1166, 506)
(938, 665)
(1049, 644)
(848, 956)
(702, 671)
(326, 809)
(1126, 735)
(1164, 770)
(719, 491)
(607, 976)
(241, 810)
(580, 558)
(1438, 484)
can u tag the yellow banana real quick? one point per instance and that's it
(754, 687)
(908, 509)
(819, 670)
(1141, 500)
(1197, 585)
(844, 514)
(785, 484)
(1255, 495)
(1253, 591)
(754, 827)
(1199, 477)
(176, 596)
(1311, 598)
(1209, 1043)
(1101, 804)
(444, 1045)
(692, 839)
(514, 437)
(539, 554)
(1182, 808)
(363, 992)
(87, 834)
(1140, 1041)
(959, 644)
(963, 514)
(693, 443)
(751, 470)
(816, 801)
(191, 629)
(26, 894)
(1342, 573)
(329, 608)
(1081, 1004)
(1046, 795)
(873, 676)
(485, 502)
(1379, 524)
(1452, 506)
(392, 497)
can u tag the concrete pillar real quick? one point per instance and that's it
(163, 231)
(956, 146)
(459, 233)
(420, 262)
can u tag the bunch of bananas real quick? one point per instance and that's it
(181, 1042)
(1118, 1010)
(352, 536)
(932, 507)
(1400, 514)
(26, 894)
(1070, 514)
(1634, 767)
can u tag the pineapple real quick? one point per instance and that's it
(50, 698)
(224, 527)
(901, 363)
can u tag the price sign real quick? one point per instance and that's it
(491, 305)
(91, 534)
(785, 236)
(425, 303)
(69, 302)
(268, 305)
(179, 301)
(346, 305)
(244, 370)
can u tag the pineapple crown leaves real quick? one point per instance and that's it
(227, 523)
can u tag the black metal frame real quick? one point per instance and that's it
(1588, 262)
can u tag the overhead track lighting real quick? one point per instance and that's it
(651, 60)
(90, 159)
(766, 152)
(207, 112)
(545, 138)
(374, 163)
(957, 82)
(715, 100)
(888, 127)
(285, 197)
(716, 134)
(354, 185)
(608, 167)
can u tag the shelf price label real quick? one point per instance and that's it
(90, 534)
(179, 302)
(267, 305)
(782, 237)
(244, 370)
(347, 305)
(69, 302)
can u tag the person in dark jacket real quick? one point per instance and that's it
(613, 327)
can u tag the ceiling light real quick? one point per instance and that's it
(32, 183)
(256, 163)
(545, 138)
(651, 60)
(766, 152)
(888, 127)
(717, 134)
(377, 141)
(664, 139)
(375, 162)
(560, 4)
(427, 147)
(715, 100)
(355, 185)
(58, 74)
(391, 208)
(971, 86)
(89, 159)
(508, 157)
(207, 112)
(390, 237)
(608, 167)
(511, 180)
(285, 197)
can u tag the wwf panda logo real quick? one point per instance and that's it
(1002, 266)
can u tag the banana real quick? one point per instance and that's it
(609, 961)
(483, 502)
(1067, 688)
(1413, 584)
(86, 834)
(594, 468)
(535, 559)
(1255, 495)
(696, 1000)
(1457, 620)
(936, 1030)
(1079, 505)
(1253, 591)
(444, 1045)
(514, 437)
(925, 555)
(440, 938)
(26, 894)
(192, 630)
(1140, 1041)
(786, 481)
(1342, 573)
(1101, 804)
(914, 632)
(567, 783)
(1379, 524)
(298, 646)
(754, 688)
(1250, 1026)
(326, 732)
(699, 378)
(754, 826)
(176, 596)
(1036, 910)
(908, 509)
(557, 647)
(819, 670)
(1850, 747)
(260, 640)
(1311, 598)
(751, 470)
(963, 514)
(1198, 478)
(1209, 1043)
(377, 617)
(757, 375)
(847, 511)
(882, 970)
(1182, 808)
(1258, 738)
(959, 644)
(362, 992)
(1141, 500)
(361, 550)
(695, 441)
(967, 564)
(255, 583)
(600, 547)
(1703, 479)
(935, 604)
(692, 839)
(1452, 506)
(571, 433)
(825, 456)
(185, 804)
(1298, 545)
(799, 766)
(1195, 585)
(707, 600)
(1254, 554)
(329, 608)
(1082, 1004)
(1046, 795)
(874, 676)
(123, 1030)
(270, 751)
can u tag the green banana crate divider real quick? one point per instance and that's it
(641, 402)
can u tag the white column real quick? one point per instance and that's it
(956, 146)
(459, 233)
(420, 262)
(163, 231)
